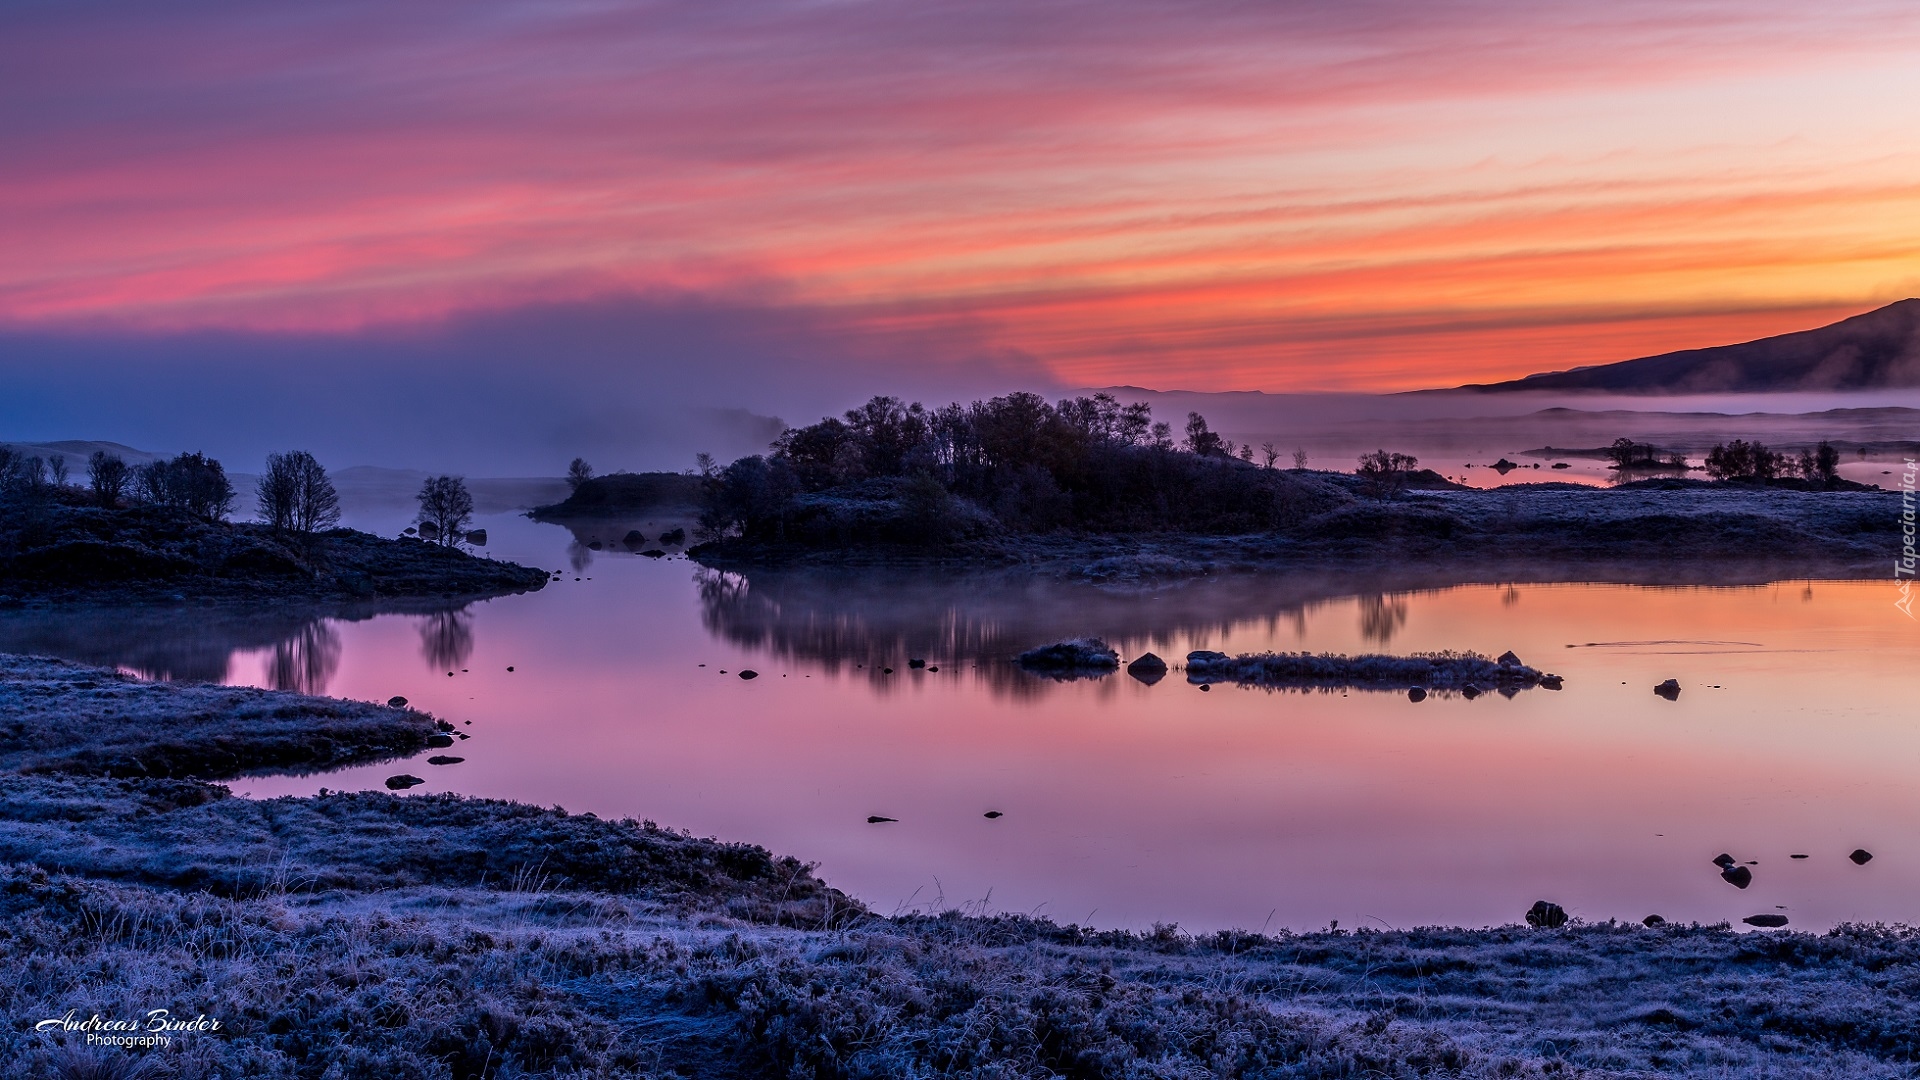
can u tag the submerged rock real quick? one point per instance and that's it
(1768, 920)
(1737, 876)
(1669, 689)
(1550, 682)
(403, 782)
(1545, 913)
(1073, 658)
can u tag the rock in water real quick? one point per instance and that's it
(403, 782)
(912, 663)
(442, 759)
(749, 673)
(1654, 920)
(991, 814)
(1417, 693)
(1861, 856)
(1737, 876)
(1469, 691)
(634, 538)
(1550, 682)
(478, 538)
(1546, 914)
(439, 739)
(654, 553)
(396, 702)
(1765, 920)
(1724, 860)
(876, 819)
(1507, 659)
(593, 545)
(1669, 689)
(1148, 668)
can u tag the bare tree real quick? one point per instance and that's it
(1300, 458)
(704, 464)
(108, 476)
(1269, 454)
(446, 505)
(295, 493)
(578, 472)
(1386, 473)
(57, 468)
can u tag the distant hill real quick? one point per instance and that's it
(1879, 350)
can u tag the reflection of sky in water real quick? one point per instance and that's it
(1130, 803)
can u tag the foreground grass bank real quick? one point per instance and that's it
(364, 934)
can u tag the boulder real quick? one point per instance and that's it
(876, 819)
(1550, 682)
(1737, 876)
(991, 814)
(478, 538)
(1148, 668)
(749, 673)
(1861, 856)
(1545, 913)
(442, 759)
(439, 739)
(396, 702)
(1669, 689)
(1653, 920)
(1469, 691)
(1417, 693)
(1724, 860)
(634, 538)
(1508, 659)
(1768, 920)
(429, 530)
(1076, 655)
(916, 663)
(403, 782)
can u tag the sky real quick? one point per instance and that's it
(581, 214)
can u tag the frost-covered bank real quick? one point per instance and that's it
(375, 935)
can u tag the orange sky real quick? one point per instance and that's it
(1218, 196)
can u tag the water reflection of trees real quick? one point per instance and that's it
(302, 649)
(862, 623)
(446, 639)
(306, 661)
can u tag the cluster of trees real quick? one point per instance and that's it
(1628, 454)
(1386, 473)
(21, 474)
(1743, 460)
(446, 509)
(1015, 462)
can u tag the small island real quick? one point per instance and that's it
(1088, 482)
(161, 533)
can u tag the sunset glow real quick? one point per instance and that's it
(1208, 196)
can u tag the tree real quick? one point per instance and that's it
(108, 476)
(1202, 442)
(1386, 473)
(703, 464)
(1742, 460)
(57, 468)
(191, 482)
(1300, 458)
(1269, 453)
(578, 472)
(445, 505)
(296, 494)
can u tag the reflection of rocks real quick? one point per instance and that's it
(1148, 668)
(1074, 658)
(446, 639)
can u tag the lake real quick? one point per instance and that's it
(1124, 804)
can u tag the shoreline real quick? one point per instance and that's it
(410, 935)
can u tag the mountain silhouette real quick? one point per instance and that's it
(1879, 350)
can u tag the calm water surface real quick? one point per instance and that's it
(1125, 804)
